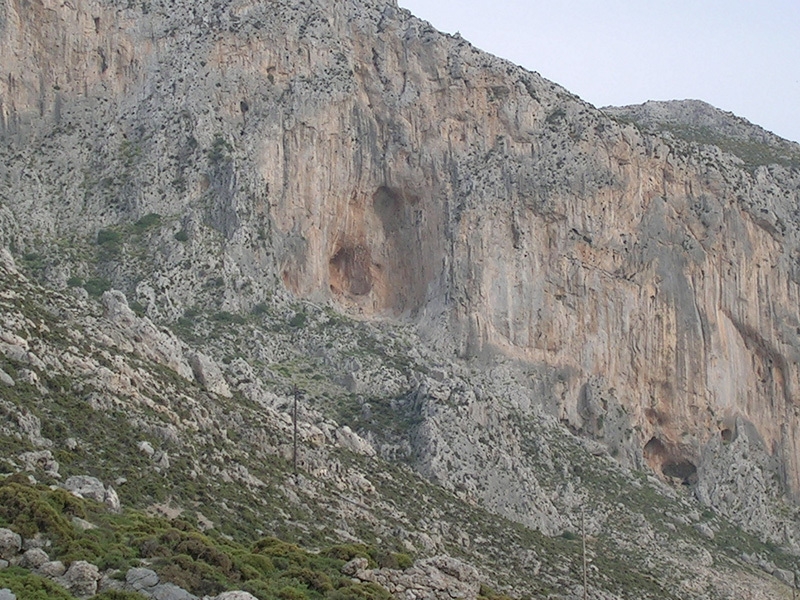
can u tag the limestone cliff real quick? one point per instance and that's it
(645, 287)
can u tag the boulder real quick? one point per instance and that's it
(6, 379)
(7, 594)
(170, 591)
(34, 558)
(208, 374)
(86, 487)
(236, 596)
(354, 566)
(83, 524)
(111, 500)
(81, 579)
(146, 447)
(704, 530)
(349, 439)
(141, 579)
(37, 541)
(784, 576)
(41, 459)
(10, 544)
(52, 569)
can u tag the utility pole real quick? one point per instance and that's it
(583, 539)
(296, 393)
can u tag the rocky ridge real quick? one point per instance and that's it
(699, 122)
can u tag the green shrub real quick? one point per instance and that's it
(487, 593)
(219, 150)
(346, 552)
(360, 591)
(27, 586)
(258, 562)
(260, 309)
(182, 236)
(147, 222)
(315, 580)
(108, 237)
(404, 561)
(28, 513)
(282, 554)
(298, 320)
(193, 575)
(96, 286)
(292, 593)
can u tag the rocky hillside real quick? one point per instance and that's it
(417, 464)
(501, 304)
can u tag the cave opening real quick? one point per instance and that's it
(670, 462)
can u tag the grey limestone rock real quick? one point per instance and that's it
(6, 594)
(170, 591)
(40, 460)
(142, 336)
(435, 578)
(85, 486)
(52, 569)
(111, 499)
(33, 558)
(10, 544)
(355, 565)
(236, 595)
(208, 374)
(6, 379)
(141, 579)
(784, 576)
(81, 579)
(705, 530)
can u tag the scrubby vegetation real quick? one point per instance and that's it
(203, 563)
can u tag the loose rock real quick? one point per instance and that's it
(6, 379)
(10, 544)
(236, 596)
(52, 569)
(34, 558)
(86, 487)
(140, 579)
(81, 579)
(169, 591)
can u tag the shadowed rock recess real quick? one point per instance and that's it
(502, 308)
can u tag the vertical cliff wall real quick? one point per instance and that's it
(347, 152)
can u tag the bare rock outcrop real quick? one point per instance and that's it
(85, 486)
(143, 336)
(81, 579)
(436, 578)
(10, 544)
(208, 374)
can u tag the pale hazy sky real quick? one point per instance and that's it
(739, 55)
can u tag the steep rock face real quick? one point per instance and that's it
(348, 152)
